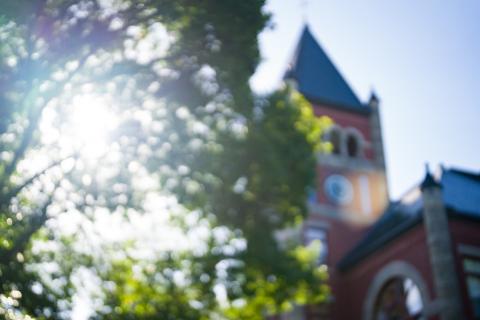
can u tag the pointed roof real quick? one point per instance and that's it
(317, 78)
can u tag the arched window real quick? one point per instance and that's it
(336, 140)
(347, 142)
(353, 146)
(353, 143)
(399, 298)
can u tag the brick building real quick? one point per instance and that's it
(415, 258)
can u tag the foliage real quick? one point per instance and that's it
(264, 277)
(169, 80)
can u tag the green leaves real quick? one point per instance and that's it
(186, 126)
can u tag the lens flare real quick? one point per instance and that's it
(91, 122)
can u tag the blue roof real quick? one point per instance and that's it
(397, 219)
(317, 78)
(461, 196)
(461, 191)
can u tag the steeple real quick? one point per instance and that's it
(351, 184)
(317, 78)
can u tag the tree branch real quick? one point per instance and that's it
(33, 225)
(5, 198)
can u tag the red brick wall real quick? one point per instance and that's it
(468, 233)
(352, 288)
(338, 241)
(341, 238)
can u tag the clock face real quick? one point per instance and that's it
(338, 189)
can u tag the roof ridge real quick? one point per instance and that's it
(465, 173)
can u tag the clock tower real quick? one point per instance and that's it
(351, 189)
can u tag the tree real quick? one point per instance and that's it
(169, 80)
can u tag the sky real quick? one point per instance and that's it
(422, 58)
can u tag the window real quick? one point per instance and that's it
(472, 271)
(345, 141)
(353, 146)
(399, 299)
(336, 140)
(354, 143)
(318, 234)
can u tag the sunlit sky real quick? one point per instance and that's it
(421, 57)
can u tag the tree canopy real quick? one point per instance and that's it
(142, 110)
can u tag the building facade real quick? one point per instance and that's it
(415, 258)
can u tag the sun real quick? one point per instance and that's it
(91, 122)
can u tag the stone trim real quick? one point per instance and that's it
(340, 161)
(310, 223)
(469, 250)
(392, 270)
